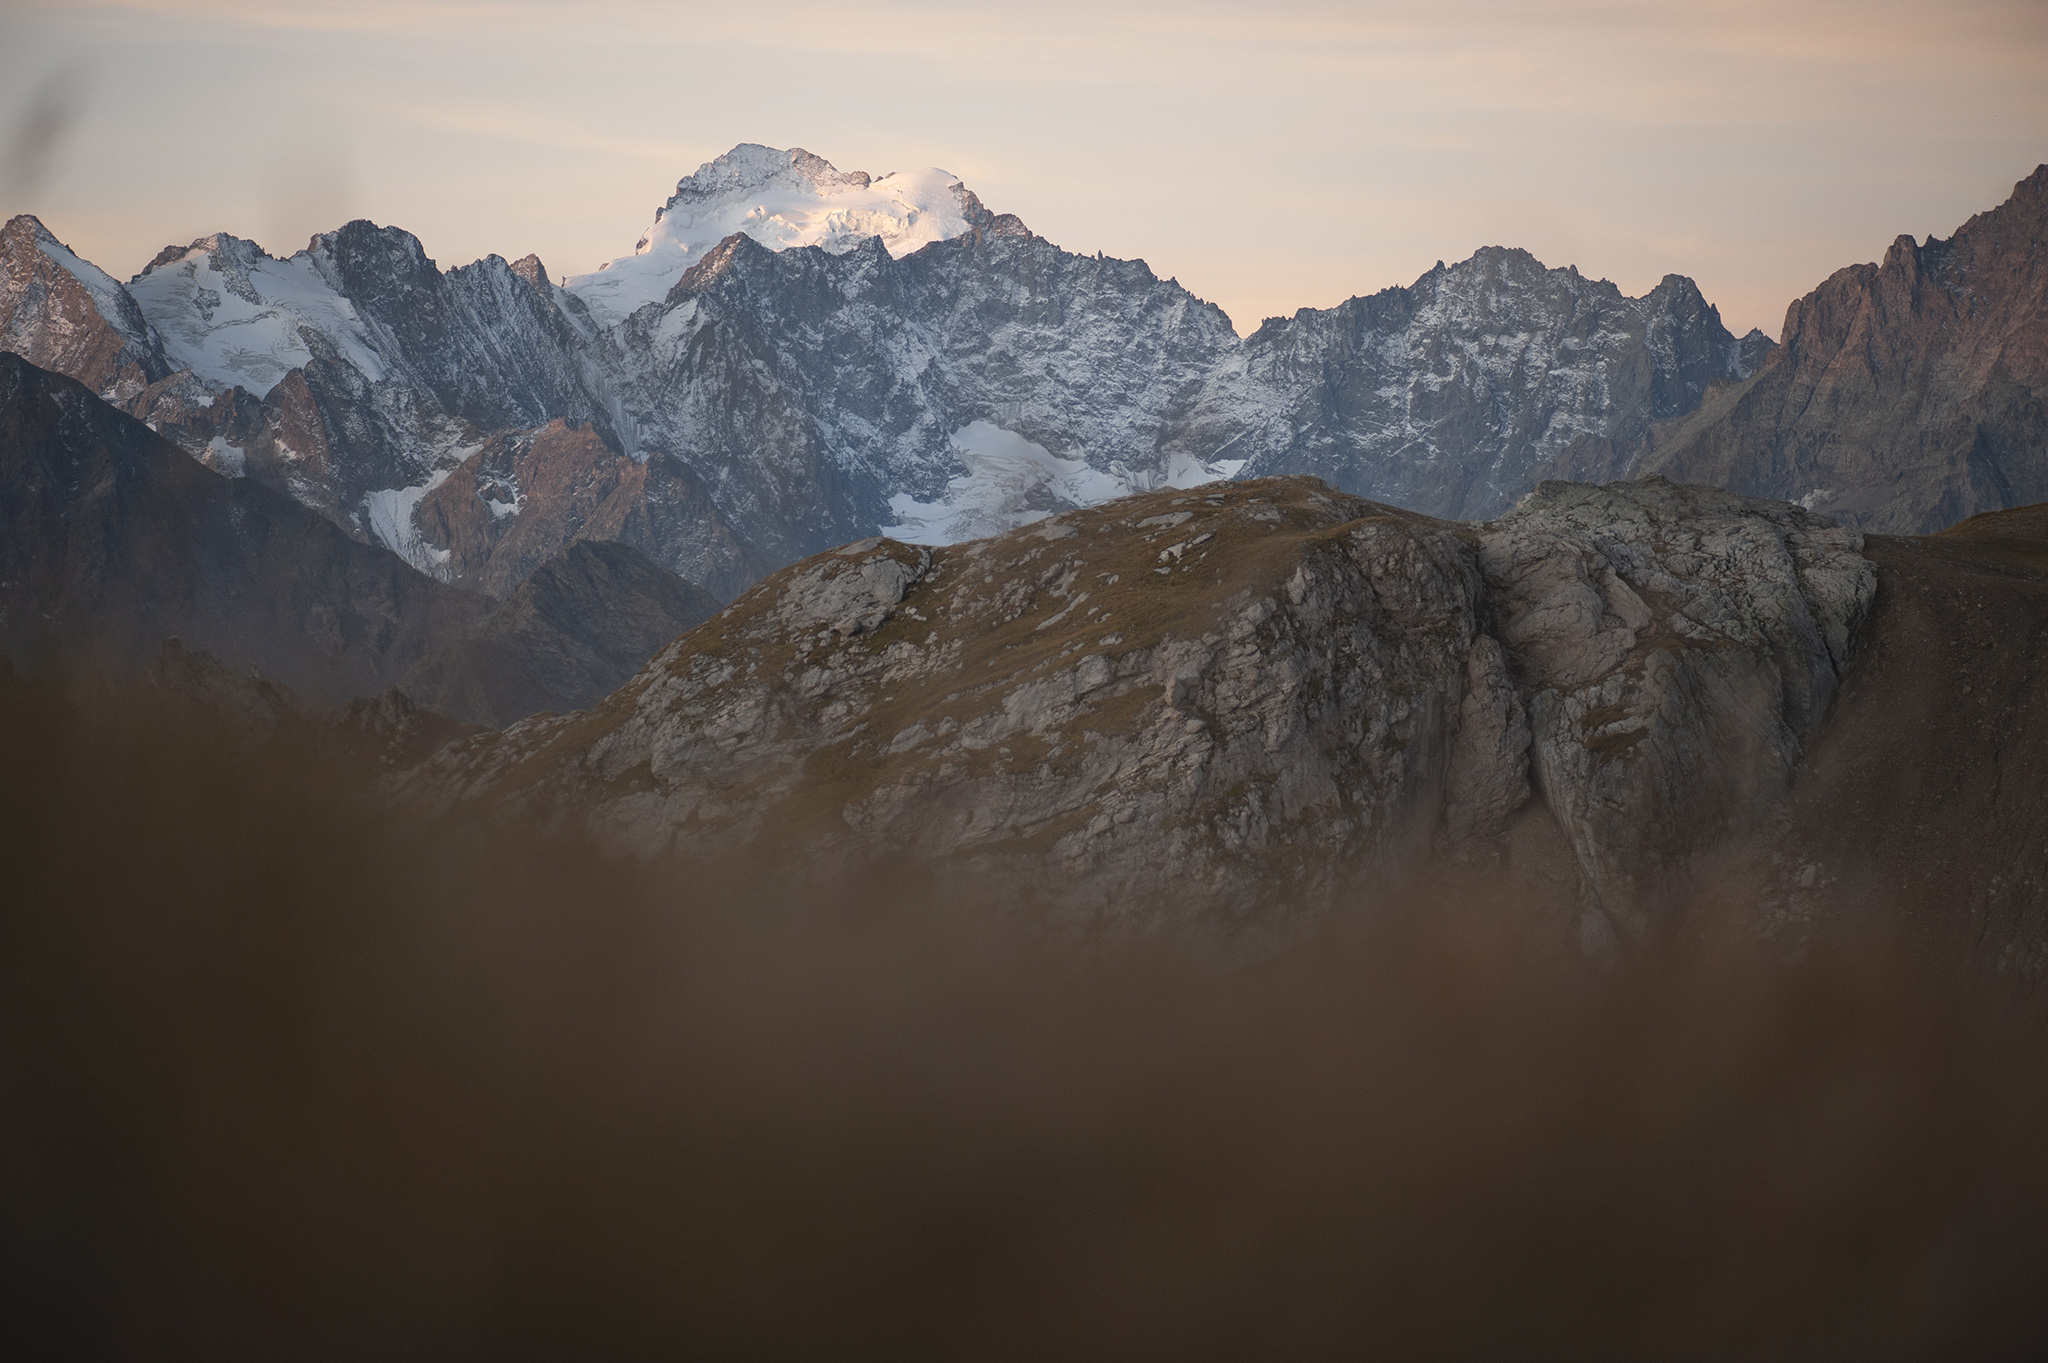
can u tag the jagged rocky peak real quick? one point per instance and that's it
(1908, 394)
(780, 199)
(529, 268)
(366, 260)
(1456, 394)
(222, 250)
(66, 314)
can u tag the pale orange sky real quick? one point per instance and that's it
(1271, 159)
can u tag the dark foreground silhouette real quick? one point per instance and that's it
(284, 1073)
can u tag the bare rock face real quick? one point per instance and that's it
(1675, 646)
(525, 496)
(63, 314)
(1263, 683)
(1907, 394)
(1451, 395)
(1212, 689)
(1489, 775)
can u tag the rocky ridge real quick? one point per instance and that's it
(1907, 395)
(783, 400)
(1454, 395)
(1222, 690)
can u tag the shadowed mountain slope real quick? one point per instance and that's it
(1923, 797)
(577, 627)
(112, 539)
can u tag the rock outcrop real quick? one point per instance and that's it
(1219, 691)
(1906, 396)
(1676, 647)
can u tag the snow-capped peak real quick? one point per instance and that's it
(234, 314)
(780, 199)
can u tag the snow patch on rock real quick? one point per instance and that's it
(1010, 481)
(106, 291)
(222, 457)
(389, 511)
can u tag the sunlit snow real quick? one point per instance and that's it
(234, 315)
(780, 199)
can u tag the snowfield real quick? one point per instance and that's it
(780, 199)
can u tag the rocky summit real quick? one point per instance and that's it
(1225, 690)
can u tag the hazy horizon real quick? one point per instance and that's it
(1271, 162)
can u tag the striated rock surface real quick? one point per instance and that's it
(1907, 395)
(64, 314)
(1676, 646)
(525, 496)
(576, 628)
(1452, 395)
(1264, 682)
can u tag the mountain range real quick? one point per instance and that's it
(796, 356)
(847, 508)
(849, 356)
